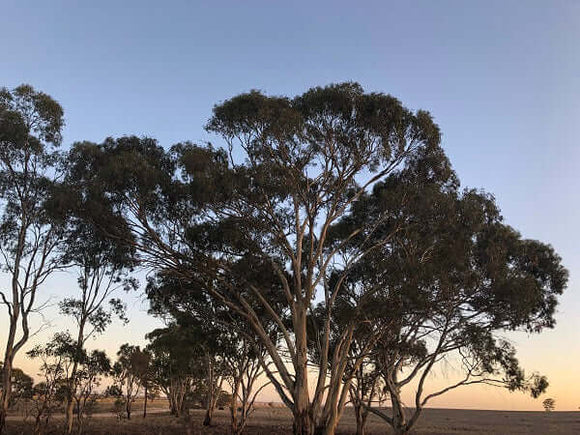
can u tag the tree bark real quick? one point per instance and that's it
(7, 376)
(69, 417)
(302, 424)
(208, 416)
(145, 402)
(214, 390)
(69, 413)
(361, 419)
(128, 407)
(303, 420)
(234, 408)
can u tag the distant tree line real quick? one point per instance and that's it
(326, 245)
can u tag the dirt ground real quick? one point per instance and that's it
(270, 421)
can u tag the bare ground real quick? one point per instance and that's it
(277, 421)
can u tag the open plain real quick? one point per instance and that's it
(270, 421)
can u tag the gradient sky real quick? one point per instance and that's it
(501, 78)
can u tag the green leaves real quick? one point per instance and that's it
(29, 121)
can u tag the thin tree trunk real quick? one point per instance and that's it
(212, 393)
(208, 416)
(7, 386)
(145, 402)
(128, 406)
(361, 419)
(234, 408)
(7, 375)
(173, 404)
(69, 414)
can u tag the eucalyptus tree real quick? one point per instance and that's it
(59, 357)
(103, 269)
(450, 284)
(245, 364)
(366, 389)
(126, 373)
(90, 369)
(176, 364)
(194, 319)
(294, 168)
(30, 132)
(220, 335)
(56, 358)
(22, 385)
(549, 404)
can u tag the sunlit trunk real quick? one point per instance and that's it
(69, 415)
(7, 375)
(128, 402)
(303, 419)
(6, 382)
(210, 393)
(235, 423)
(399, 418)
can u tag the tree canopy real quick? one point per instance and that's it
(327, 231)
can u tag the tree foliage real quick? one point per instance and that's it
(30, 131)
(447, 285)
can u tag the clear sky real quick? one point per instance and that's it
(501, 78)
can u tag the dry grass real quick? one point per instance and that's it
(270, 421)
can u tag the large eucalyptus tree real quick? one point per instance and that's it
(30, 132)
(268, 227)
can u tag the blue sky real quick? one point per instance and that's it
(502, 79)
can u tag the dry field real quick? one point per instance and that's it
(267, 421)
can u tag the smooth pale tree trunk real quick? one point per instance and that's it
(128, 399)
(69, 407)
(69, 414)
(7, 387)
(214, 390)
(235, 423)
(7, 372)
(210, 395)
(303, 419)
(173, 405)
(400, 425)
(328, 426)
